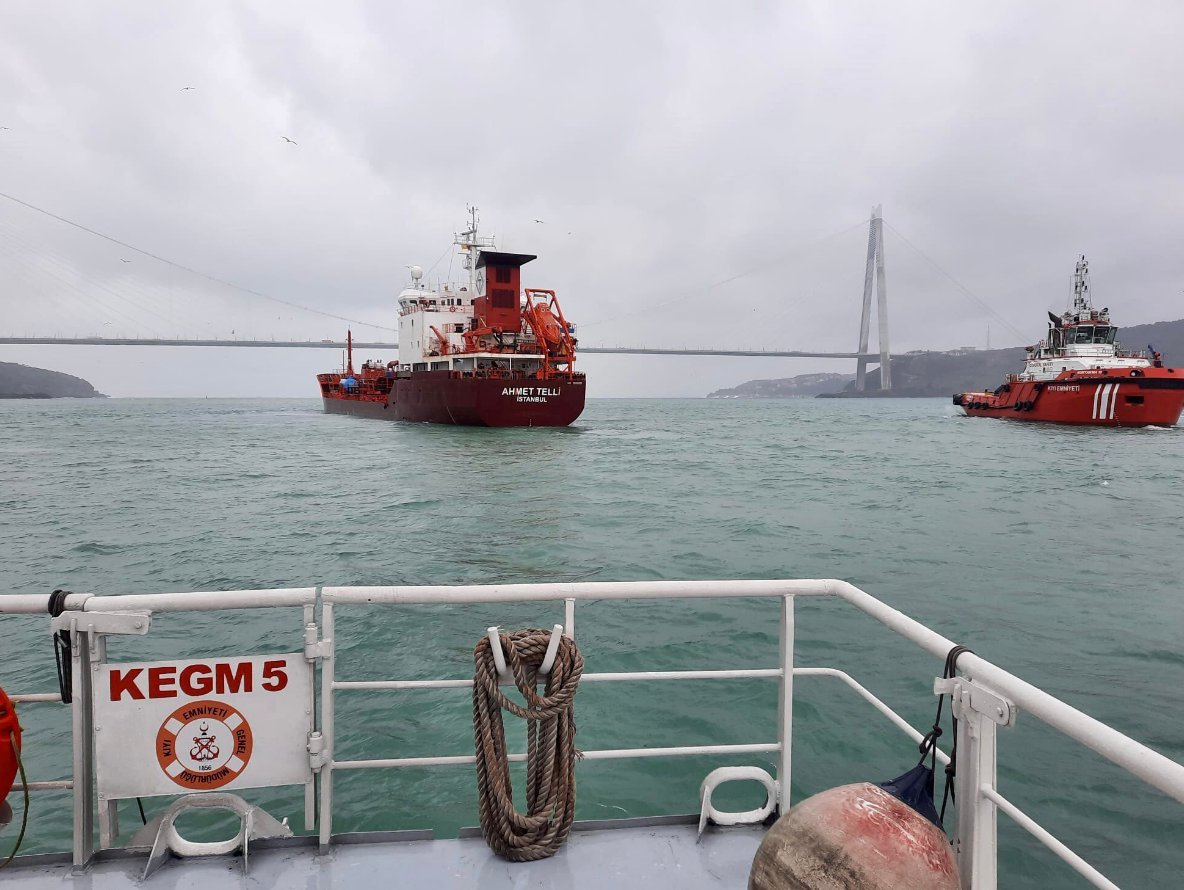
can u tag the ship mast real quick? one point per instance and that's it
(1081, 285)
(471, 245)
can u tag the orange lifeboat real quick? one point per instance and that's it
(546, 320)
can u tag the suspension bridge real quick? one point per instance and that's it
(874, 284)
(380, 345)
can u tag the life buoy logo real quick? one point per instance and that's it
(204, 744)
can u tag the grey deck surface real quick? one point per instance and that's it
(654, 858)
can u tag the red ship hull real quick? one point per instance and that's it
(446, 397)
(1151, 397)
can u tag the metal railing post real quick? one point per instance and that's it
(986, 846)
(310, 789)
(569, 618)
(108, 809)
(975, 838)
(785, 707)
(82, 721)
(328, 662)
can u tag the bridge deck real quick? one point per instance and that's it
(394, 347)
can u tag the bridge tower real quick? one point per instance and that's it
(875, 262)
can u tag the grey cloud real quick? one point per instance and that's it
(680, 144)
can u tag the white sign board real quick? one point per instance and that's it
(173, 727)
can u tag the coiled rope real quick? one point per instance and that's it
(550, 745)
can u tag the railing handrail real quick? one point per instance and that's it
(578, 590)
(184, 601)
(1152, 767)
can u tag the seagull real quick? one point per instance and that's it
(122, 260)
(3, 128)
(540, 222)
(286, 139)
(183, 89)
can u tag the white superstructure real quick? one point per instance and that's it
(1080, 339)
(448, 328)
(425, 315)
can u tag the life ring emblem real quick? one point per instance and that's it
(204, 744)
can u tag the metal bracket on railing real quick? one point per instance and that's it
(967, 695)
(499, 657)
(315, 649)
(552, 650)
(161, 832)
(735, 774)
(316, 751)
(137, 623)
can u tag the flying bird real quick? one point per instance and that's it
(286, 139)
(183, 89)
(122, 260)
(540, 222)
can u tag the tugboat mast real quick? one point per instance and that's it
(1081, 285)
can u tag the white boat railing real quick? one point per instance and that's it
(985, 697)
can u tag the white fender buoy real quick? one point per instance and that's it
(854, 837)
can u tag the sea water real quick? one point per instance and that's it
(1053, 551)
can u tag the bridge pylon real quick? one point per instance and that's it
(875, 264)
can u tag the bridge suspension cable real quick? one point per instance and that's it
(189, 269)
(694, 294)
(958, 284)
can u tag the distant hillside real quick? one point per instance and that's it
(24, 382)
(923, 374)
(800, 387)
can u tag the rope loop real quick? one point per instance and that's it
(929, 742)
(61, 648)
(949, 671)
(550, 744)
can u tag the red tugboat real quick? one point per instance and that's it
(1080, 375)
(471, 355)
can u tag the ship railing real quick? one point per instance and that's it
(985, 697)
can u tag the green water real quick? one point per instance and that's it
(1053, 551)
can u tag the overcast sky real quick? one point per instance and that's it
(704, 172)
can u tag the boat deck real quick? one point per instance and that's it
(632, 853)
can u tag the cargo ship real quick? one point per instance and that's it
(485, 353)
(1080, 374)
